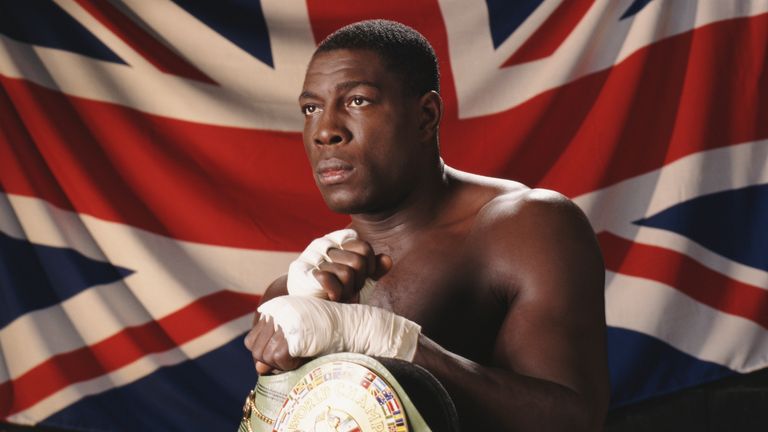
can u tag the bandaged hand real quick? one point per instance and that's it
(337, 266)
(313, 327)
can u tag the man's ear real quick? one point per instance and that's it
(431, 110)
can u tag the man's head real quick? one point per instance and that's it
(404, 50)
(370, 129)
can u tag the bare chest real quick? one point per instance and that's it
(440, 286)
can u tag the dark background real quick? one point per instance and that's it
(736, 404)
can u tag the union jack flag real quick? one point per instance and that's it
(153, 182)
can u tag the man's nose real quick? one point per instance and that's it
(330, 129)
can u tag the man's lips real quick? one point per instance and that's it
(333, 171)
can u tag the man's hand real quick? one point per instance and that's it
(337, 267)
(269, 347)
(313, 327)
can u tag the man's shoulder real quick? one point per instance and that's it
(505, 194)
(507, 205)
(518, 225)
(521, 208)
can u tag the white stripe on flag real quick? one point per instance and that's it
(703, 332)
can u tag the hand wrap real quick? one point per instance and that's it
(314, 327)
(302, 281)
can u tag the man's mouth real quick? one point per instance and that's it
(333, 171)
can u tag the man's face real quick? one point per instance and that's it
(360, 131)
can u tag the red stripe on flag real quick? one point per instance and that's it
(190, 181)
(162, 57)
(124, 348)
(686, 275)
(551, 34)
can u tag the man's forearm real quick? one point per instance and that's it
(497, 399)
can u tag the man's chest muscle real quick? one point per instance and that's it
(439, 288)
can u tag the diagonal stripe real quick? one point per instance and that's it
(35, 276)
(240, 22)
(635, 8)
(208, 390)
(732, 167)
(124, 348)
(505, 17)
(155, 52)
(683, 273)
(134, 371)
(548, 38)
(731, 223)
(688, 325)
(43, 23)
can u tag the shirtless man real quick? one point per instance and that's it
(505, 281)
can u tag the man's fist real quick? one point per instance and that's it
(338, 267)
(313, 327)
(269, 347)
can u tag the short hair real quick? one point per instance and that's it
(404, 50)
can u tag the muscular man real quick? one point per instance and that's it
(506, 282)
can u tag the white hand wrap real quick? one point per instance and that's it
(302, 282)
(314, 327)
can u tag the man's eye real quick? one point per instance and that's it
(358, 101)
(309, 109)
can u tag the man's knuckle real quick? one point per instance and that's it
(268, 356)
(366, 248)
(359, 263)
(282, 357)
(323, 277)
(346, 275)
(334, 254)
(360, 247)
(256, 353)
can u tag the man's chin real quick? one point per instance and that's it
(338, 205)
(343, 208)
(345, 203)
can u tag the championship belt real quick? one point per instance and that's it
(342, 392)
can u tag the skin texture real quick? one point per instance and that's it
(506, 281)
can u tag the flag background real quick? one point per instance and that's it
(153, 182)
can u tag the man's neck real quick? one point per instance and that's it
(420, 208)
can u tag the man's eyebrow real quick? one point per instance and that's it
(343, 86)
(346, 85)
(308, 95)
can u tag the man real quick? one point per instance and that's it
(495, 288)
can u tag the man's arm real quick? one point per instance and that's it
(549, 367)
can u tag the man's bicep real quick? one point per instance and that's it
(553, 343)
(555, 325)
